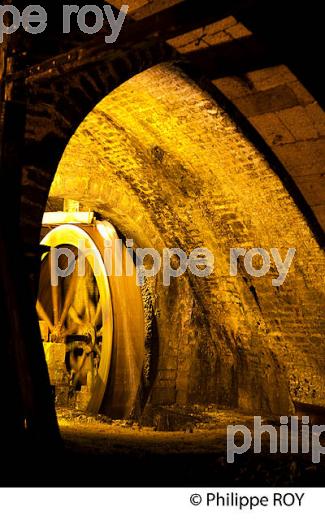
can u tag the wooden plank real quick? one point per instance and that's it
(62, 217)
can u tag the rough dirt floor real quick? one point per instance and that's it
(171, 447)
(103, 452)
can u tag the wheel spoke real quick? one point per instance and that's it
(99, 332)
(74, 315)
(82, 362)
(55, 294)
(43, 315)
(98, 313)
(91, 374)
(56, 303)
(69, 297)
(97, 350)
(89, 306)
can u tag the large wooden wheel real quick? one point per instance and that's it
(97, 319)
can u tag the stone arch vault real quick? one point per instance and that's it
(173, 174)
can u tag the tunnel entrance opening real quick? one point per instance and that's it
(145, 161)
(92, 323)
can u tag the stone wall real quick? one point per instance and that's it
(291, 122)
(274, 101)
(168, 167)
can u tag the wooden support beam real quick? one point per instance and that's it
(28, 419)
(159, 27)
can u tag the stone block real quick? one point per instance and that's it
(44, 330)
(270, 77)
(303, 158)
(317, 116)
(272, 129)
(270, 100)
(55, 359)
(297, 120)
(313, 188)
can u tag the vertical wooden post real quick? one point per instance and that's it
(27, 409)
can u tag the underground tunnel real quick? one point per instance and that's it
(136, 152)
(159, 173)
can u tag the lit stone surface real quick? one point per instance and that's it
(290, 121)
(173, 174)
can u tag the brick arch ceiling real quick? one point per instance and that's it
(287, 120)
(170, 173)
